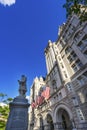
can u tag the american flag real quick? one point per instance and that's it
(46, 92)
(40, 100)
(33, 104)
(43, 94)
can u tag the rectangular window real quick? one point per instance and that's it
(70, 58)
(79, 64)
(68, 50)
(80, 114)
(85, 74)
(74, 67)
(60, 95)
(85, 53)
(81, 80)
(61, 65)
(73, 54)
(65, 74)
(75, 101)
(69, 87)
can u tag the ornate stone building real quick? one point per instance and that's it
(66, 62)
(37, 84)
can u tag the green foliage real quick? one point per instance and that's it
(4, 110)
(2, 125)
(78, 7)
(5, 99)
(2, 96)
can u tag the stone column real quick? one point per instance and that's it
(52, 55)
(47, 64)
(73, 124)
(50, 58)
(18, 116)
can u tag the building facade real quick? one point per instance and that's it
(37, 84)
(66, 62)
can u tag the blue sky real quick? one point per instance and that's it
(25, 28)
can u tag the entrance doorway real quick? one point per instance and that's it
(64, 118)
(50, 122)
(41, 124)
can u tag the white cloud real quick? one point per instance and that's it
(7, 2)
(2, 104)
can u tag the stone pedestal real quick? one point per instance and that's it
(18, 116)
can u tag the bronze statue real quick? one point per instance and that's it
(22, 85)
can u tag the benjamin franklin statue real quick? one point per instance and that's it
(22, 85)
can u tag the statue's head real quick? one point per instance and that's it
(23, 78)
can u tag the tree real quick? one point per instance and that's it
(4, 110)
(3, 116)
(78, 7)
